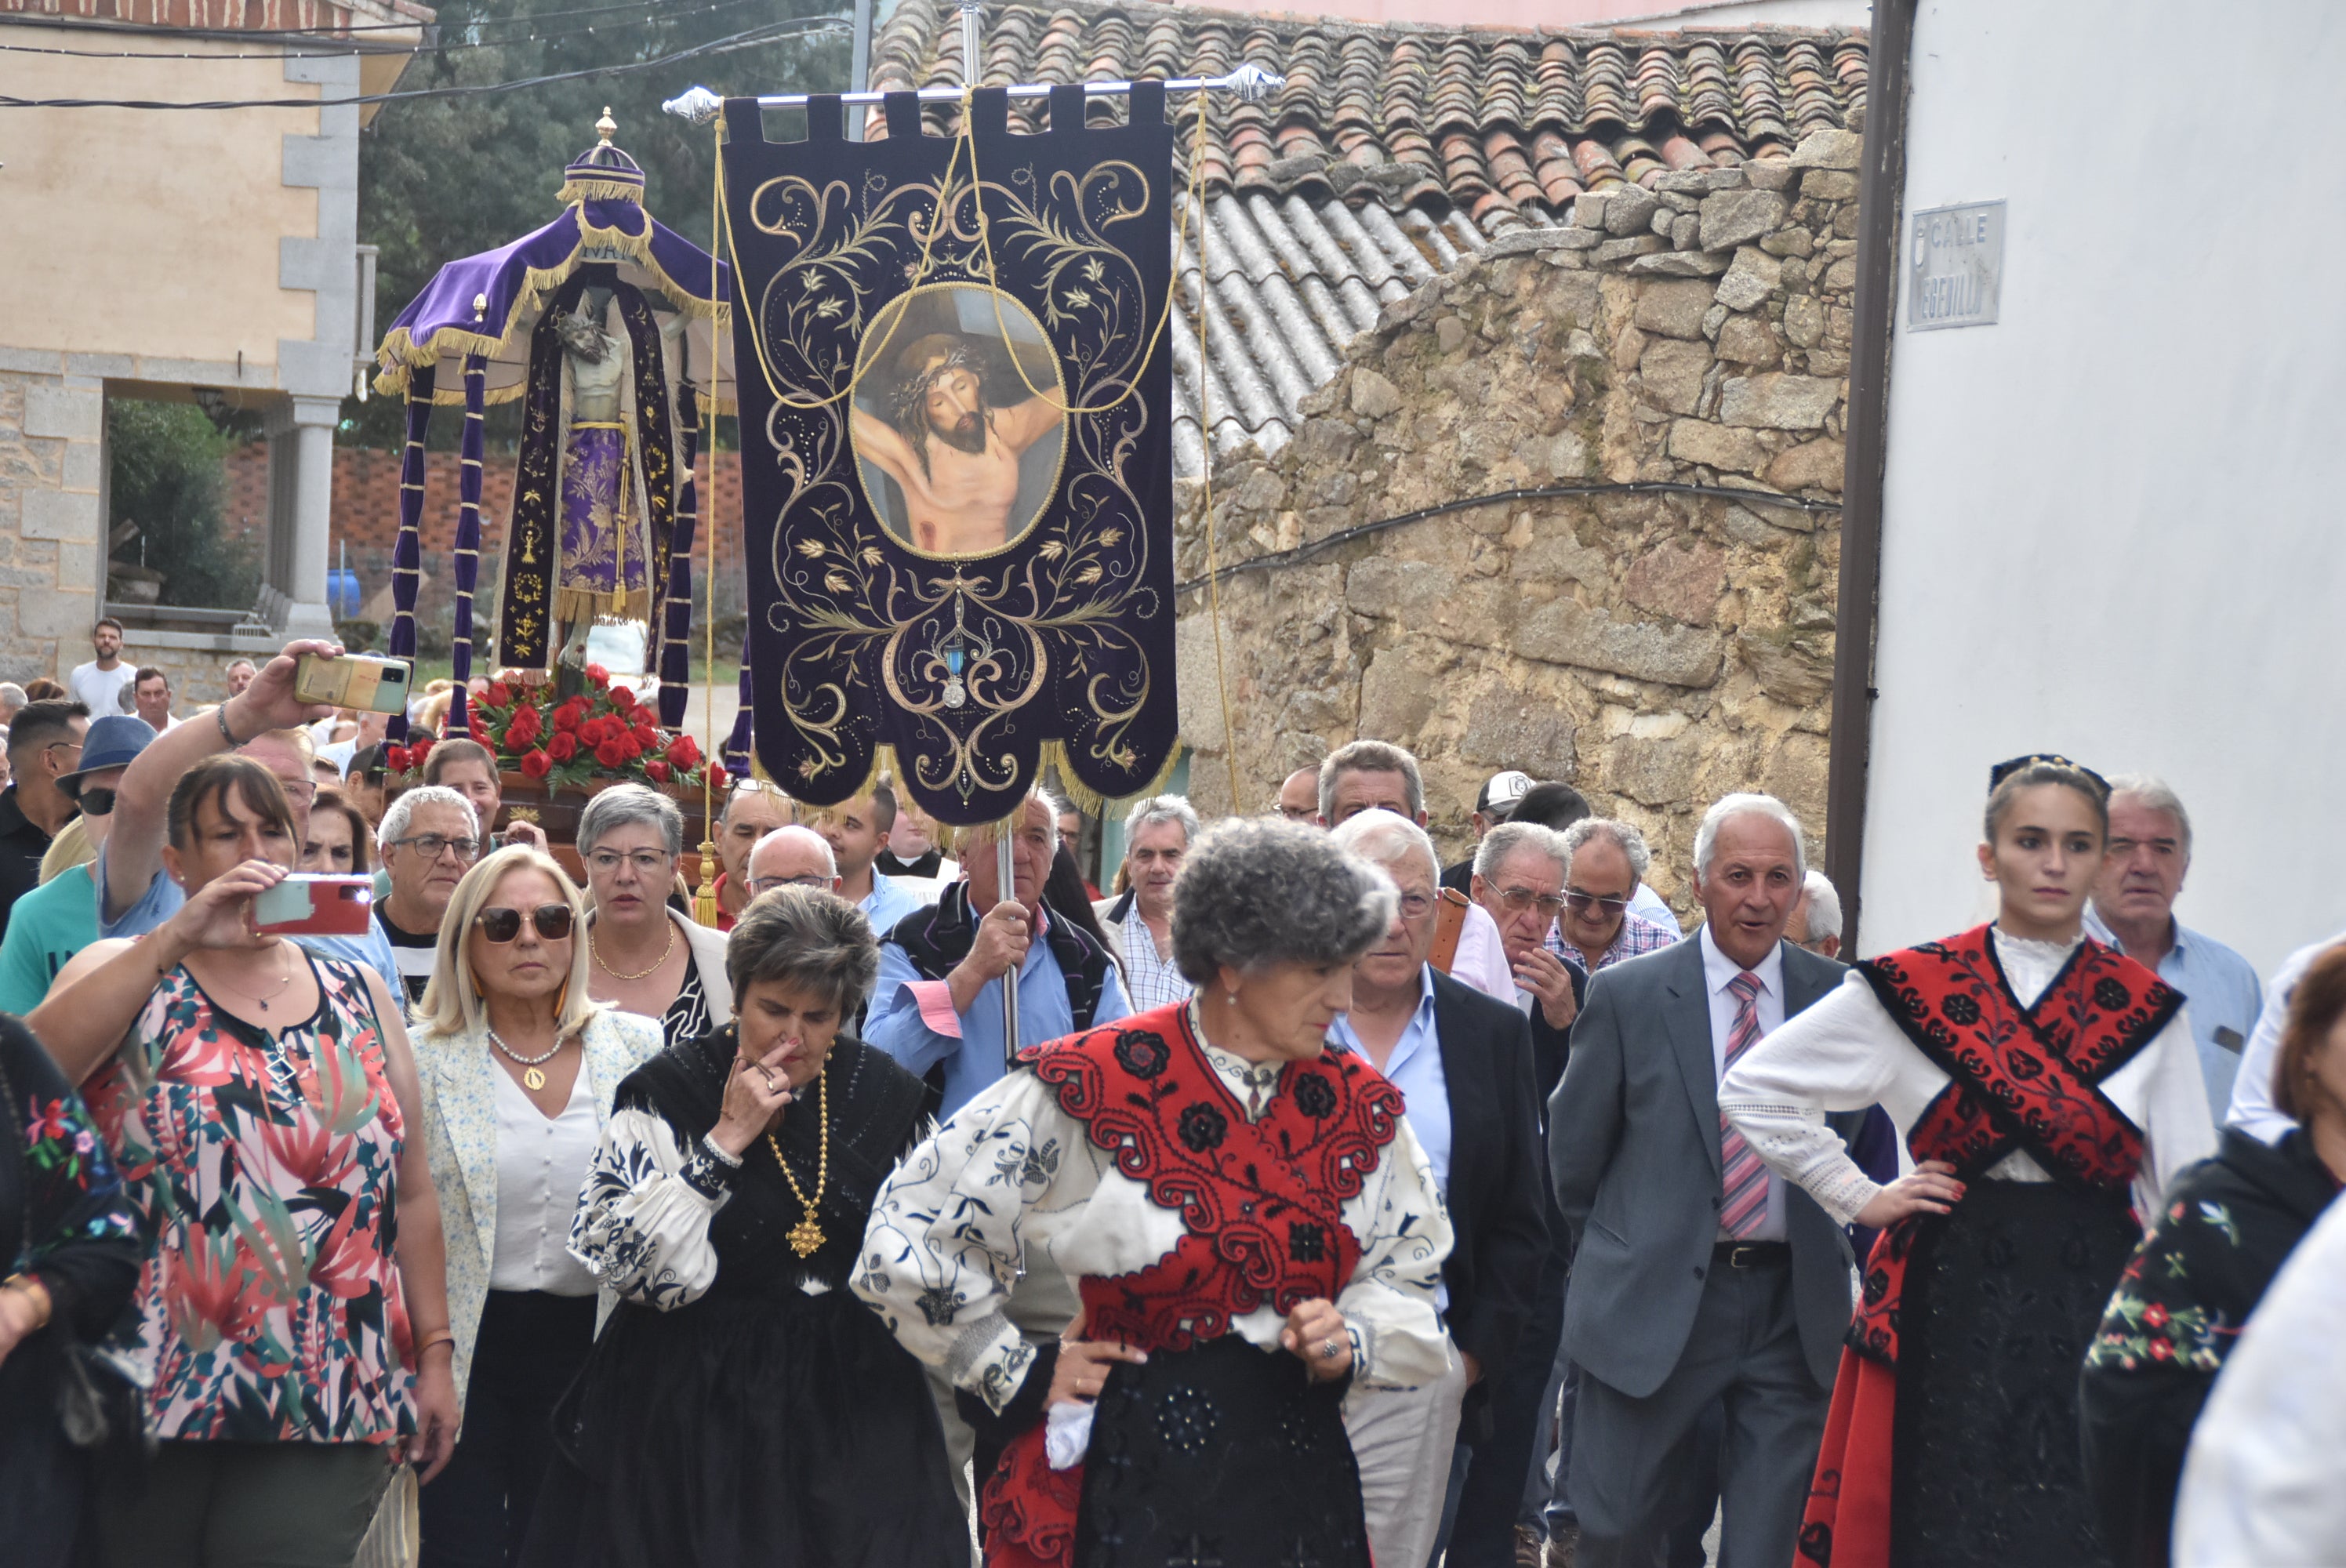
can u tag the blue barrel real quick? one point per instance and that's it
(343, 594)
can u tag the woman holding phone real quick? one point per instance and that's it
(258, 1100)
(519, 1065)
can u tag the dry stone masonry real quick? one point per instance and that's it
(1656, 650)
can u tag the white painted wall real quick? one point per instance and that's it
(2114, 526)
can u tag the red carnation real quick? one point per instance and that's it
(597, 674)
(562, 745)
(498, 694)
(683, 751)
(656, 770)
(395, 757)
(537, 765)
(609, 755)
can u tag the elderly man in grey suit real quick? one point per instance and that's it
(1697, 1275)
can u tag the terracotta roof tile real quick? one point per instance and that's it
(1391, 152)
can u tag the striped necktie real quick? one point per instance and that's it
(1742, 1176)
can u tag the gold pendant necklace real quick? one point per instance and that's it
(532, 1075)
(595, 948)
(806, 1237)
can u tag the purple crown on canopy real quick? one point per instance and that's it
(602, 219)
(603, 172)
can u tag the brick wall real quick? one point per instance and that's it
(366, 521)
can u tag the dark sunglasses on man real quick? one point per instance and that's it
(98, 802)
(1589, 903)
(502, 925)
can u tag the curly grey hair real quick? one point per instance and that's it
(809, 938)
(1383, 838)
(2155, 796)
(1255, 892)
(1630, 842)
(1706, 837)
(1162, 809)
(624, 803)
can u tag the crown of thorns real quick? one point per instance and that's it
(908, 406)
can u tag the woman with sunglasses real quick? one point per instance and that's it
(519, 1065)
(742, 1407)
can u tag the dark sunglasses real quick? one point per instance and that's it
(502, 925)
(95, 802)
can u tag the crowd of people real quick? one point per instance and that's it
(1328, 1204)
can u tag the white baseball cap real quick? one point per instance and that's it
(1503, 790)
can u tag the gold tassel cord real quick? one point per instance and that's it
(705, 910)
(1213, 567)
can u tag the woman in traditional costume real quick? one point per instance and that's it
(740, 1406)
(1248, 1220)
(2049, 1091)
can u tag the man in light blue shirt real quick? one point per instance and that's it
(262, 722)
(857, 830)
(2133, 908)
(938, 1000)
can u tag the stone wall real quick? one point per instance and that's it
(52, 425)
(1655, 650)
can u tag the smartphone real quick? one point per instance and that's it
(358, 681)
(309, 905)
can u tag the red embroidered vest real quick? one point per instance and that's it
(1260, 1205)
(2024, 1078)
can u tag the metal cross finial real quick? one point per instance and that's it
(606, 128)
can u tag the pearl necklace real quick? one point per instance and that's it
(532, 1075)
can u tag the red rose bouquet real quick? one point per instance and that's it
(601, 733)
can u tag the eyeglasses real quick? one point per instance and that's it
(1589, 903)
(97, 802)
(432, 846)
(1518, 899)
(72, 746)
(647, 863)
(298, 789)
(1305, 814)
(769, 884)
(1415, 906)
(502, 925)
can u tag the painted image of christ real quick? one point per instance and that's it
(956, 450)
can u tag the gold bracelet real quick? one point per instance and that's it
(31, 1288)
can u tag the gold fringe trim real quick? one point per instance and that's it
(616, 607)
(399, 353)
(576, 188)
(953, 840)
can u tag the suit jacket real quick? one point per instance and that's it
(1634, 1148)
(460, 1141)
(1494, 1196)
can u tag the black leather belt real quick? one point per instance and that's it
(1752, 1254)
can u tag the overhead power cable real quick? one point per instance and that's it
(311, 47)
(747, 39)
(1306, 552)
(37, 19)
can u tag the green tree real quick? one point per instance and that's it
(164, 475)
(445, 178)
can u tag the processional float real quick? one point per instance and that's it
(955, 397)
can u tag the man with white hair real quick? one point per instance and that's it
(1158, 832)
(1462, 1061)
(1816, 918)
(430, 838)
(791, 857)
(1606, 863)
(1697, 1275)
(1371, 775)
(2133, 908)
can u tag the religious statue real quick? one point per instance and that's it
(604, 569)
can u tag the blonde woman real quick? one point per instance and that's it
(518, 1066)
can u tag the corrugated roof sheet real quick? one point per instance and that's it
(1391, 152)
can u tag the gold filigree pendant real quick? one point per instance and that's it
(806, 1237)
(533, 1078)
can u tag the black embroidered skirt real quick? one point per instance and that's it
(1223, 1456)
(748, 1432)
(2001, 1299)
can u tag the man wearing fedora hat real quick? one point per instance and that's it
(59, 918)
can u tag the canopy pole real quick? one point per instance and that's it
(1251, 82)
(1005, 876)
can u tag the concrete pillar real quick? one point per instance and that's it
(310, 491)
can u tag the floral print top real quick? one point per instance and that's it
(262, 1171)
(62, 1215)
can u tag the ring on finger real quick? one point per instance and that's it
(1328, 1348)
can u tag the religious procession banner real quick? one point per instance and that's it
(956, 455)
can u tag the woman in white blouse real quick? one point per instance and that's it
(2048, 1090)
(1249, 1223)
(518, 1069)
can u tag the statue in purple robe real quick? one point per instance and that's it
(604, 568)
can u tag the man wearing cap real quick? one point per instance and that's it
(1498, 796)
(58, 919)
(44, 745)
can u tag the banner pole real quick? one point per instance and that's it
(1005, 878)
(1249, 81)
